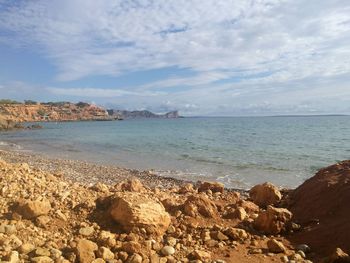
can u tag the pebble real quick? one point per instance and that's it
(303, 247)
(86, 231)
(168, 250)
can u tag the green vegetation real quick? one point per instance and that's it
(42, 112)
(8, 101)
(30, 102)
(57, 104)
(82, 104)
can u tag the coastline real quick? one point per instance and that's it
(88, 173)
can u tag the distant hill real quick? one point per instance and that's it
(124, 114)
(30, 111)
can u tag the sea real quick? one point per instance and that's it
(237, 151)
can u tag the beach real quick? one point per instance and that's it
(57, 210)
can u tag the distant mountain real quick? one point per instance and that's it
(144, 114)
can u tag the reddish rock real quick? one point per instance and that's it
(275, 246)
(265, 194)
(200, 205)
(133, 185)
(273, 220)
(213, 186)
(187, 188)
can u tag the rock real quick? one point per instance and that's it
(42, 259)
(135, 210)
(338, 256)
(168, 251)
(100, 187)
(131, 247)
(236, 233)
(301, 253)
(42, 252)
(275, 246)
(186, 188)
(33, 209)
(14, 257)
(85, 250)
(238, 213)
(200, 205)
(265, 194)
(273, 220)
(135, 258)
(8, 229)
(303, 247)
(213, 186)
(218, 235)
(133, 185)
(200, 255)
(105, 253)
(86, 231)
(26, 248)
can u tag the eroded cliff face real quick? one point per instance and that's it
(52, 112)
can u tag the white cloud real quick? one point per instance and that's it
(274, 48)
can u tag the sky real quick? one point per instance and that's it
(201, 57)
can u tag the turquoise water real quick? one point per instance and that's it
(239, 152)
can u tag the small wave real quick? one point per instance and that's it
(10, 145)
(199, 159)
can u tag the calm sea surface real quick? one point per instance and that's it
(239, 152)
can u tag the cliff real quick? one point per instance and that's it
(124, 114)
(61, 111)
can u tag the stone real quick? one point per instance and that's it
(338, 256)
(238, 213)
(186, 188)
(42, 259)
(236, 233)
(200, 205)
(26, 248)
(168, 250)
(218, 235)
(86, 231)
(135, 210)
(200, 255)
(303, 247)
(33, 209)
(86, 250)
(105, 253)
(132, 247)
(98, 260)
(273, 220)
(135, 258)
(133, 185)
(275, 246)
(13, 257)
(265, 194)
(212, 186)
(42, 252)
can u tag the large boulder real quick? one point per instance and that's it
(200, 205)
(134, 210)
(273, 220)
(265, 194)
(212, 186)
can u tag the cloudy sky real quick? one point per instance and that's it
(202, 57)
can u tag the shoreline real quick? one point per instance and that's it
(89, 173)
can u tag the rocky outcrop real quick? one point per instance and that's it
(133, 210)
(265, 194)
(60, 111)
(212, 186)
(321, 205)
